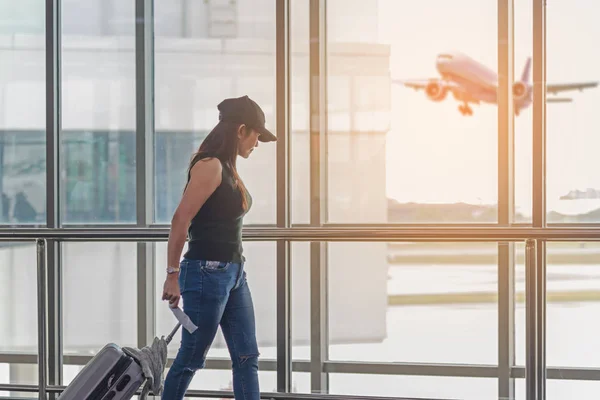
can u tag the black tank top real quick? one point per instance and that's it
(215, 233)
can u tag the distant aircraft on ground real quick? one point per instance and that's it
(473, 83)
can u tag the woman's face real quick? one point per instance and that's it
(248, 140)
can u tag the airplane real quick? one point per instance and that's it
(471, 82)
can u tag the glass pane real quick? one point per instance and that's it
(520, 311)
(22, 113)
(99, 288)
(573, 292)
(413, 386)
(301, 312)
(415, 148)
(300, 382)
(18, 309)
(98, 113)
(18, 374)
(523, 139)
(300, 115)
(260, 269)
(235, 57)
(445, 293)
(562, 389)
(169, 19)
(573, 192)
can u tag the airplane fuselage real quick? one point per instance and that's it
(475, 78)
(460, 65)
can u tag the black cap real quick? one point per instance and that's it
(244, 110)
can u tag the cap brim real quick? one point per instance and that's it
(266, 136)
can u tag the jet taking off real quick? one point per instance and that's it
(473, 83)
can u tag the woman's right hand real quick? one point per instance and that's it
(171, 290)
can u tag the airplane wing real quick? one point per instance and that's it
(564, 87)
(439, 86)
(415, 83)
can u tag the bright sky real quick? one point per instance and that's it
(456, 157)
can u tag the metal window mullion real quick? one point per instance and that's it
(539, 186)
(144, 82)
(506, 319)
(531, 339)
(506, 250)
(284, 276)
(55, 315)
(319, 340)
(42, 280)
(52, 291)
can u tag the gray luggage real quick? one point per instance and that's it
(111, 375)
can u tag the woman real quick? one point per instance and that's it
(211, 278)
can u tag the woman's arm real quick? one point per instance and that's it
(205, 177)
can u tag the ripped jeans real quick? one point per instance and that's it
(215, 293)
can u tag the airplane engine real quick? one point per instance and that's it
(436, 91)
(519, 90)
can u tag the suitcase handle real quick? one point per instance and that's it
(173, 332)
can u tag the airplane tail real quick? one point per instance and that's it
(526, 70)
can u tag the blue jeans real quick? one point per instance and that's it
(216, 293)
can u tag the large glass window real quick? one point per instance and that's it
(413, 386)
(22, 113)
(97, 178)
(523, 132)
(20, 374)
(226, 49)
(18, 309)
(573, 296)
(572, 192)
(301, 303)
(403, 156)
(573, 188)
(99, 287)
(561, 389)
(299, 112)
(22, 18)
(421, 302)
(393, 155)
(22, 177)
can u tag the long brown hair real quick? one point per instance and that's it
(222, 142)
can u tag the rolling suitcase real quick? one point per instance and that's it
(112, 374)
